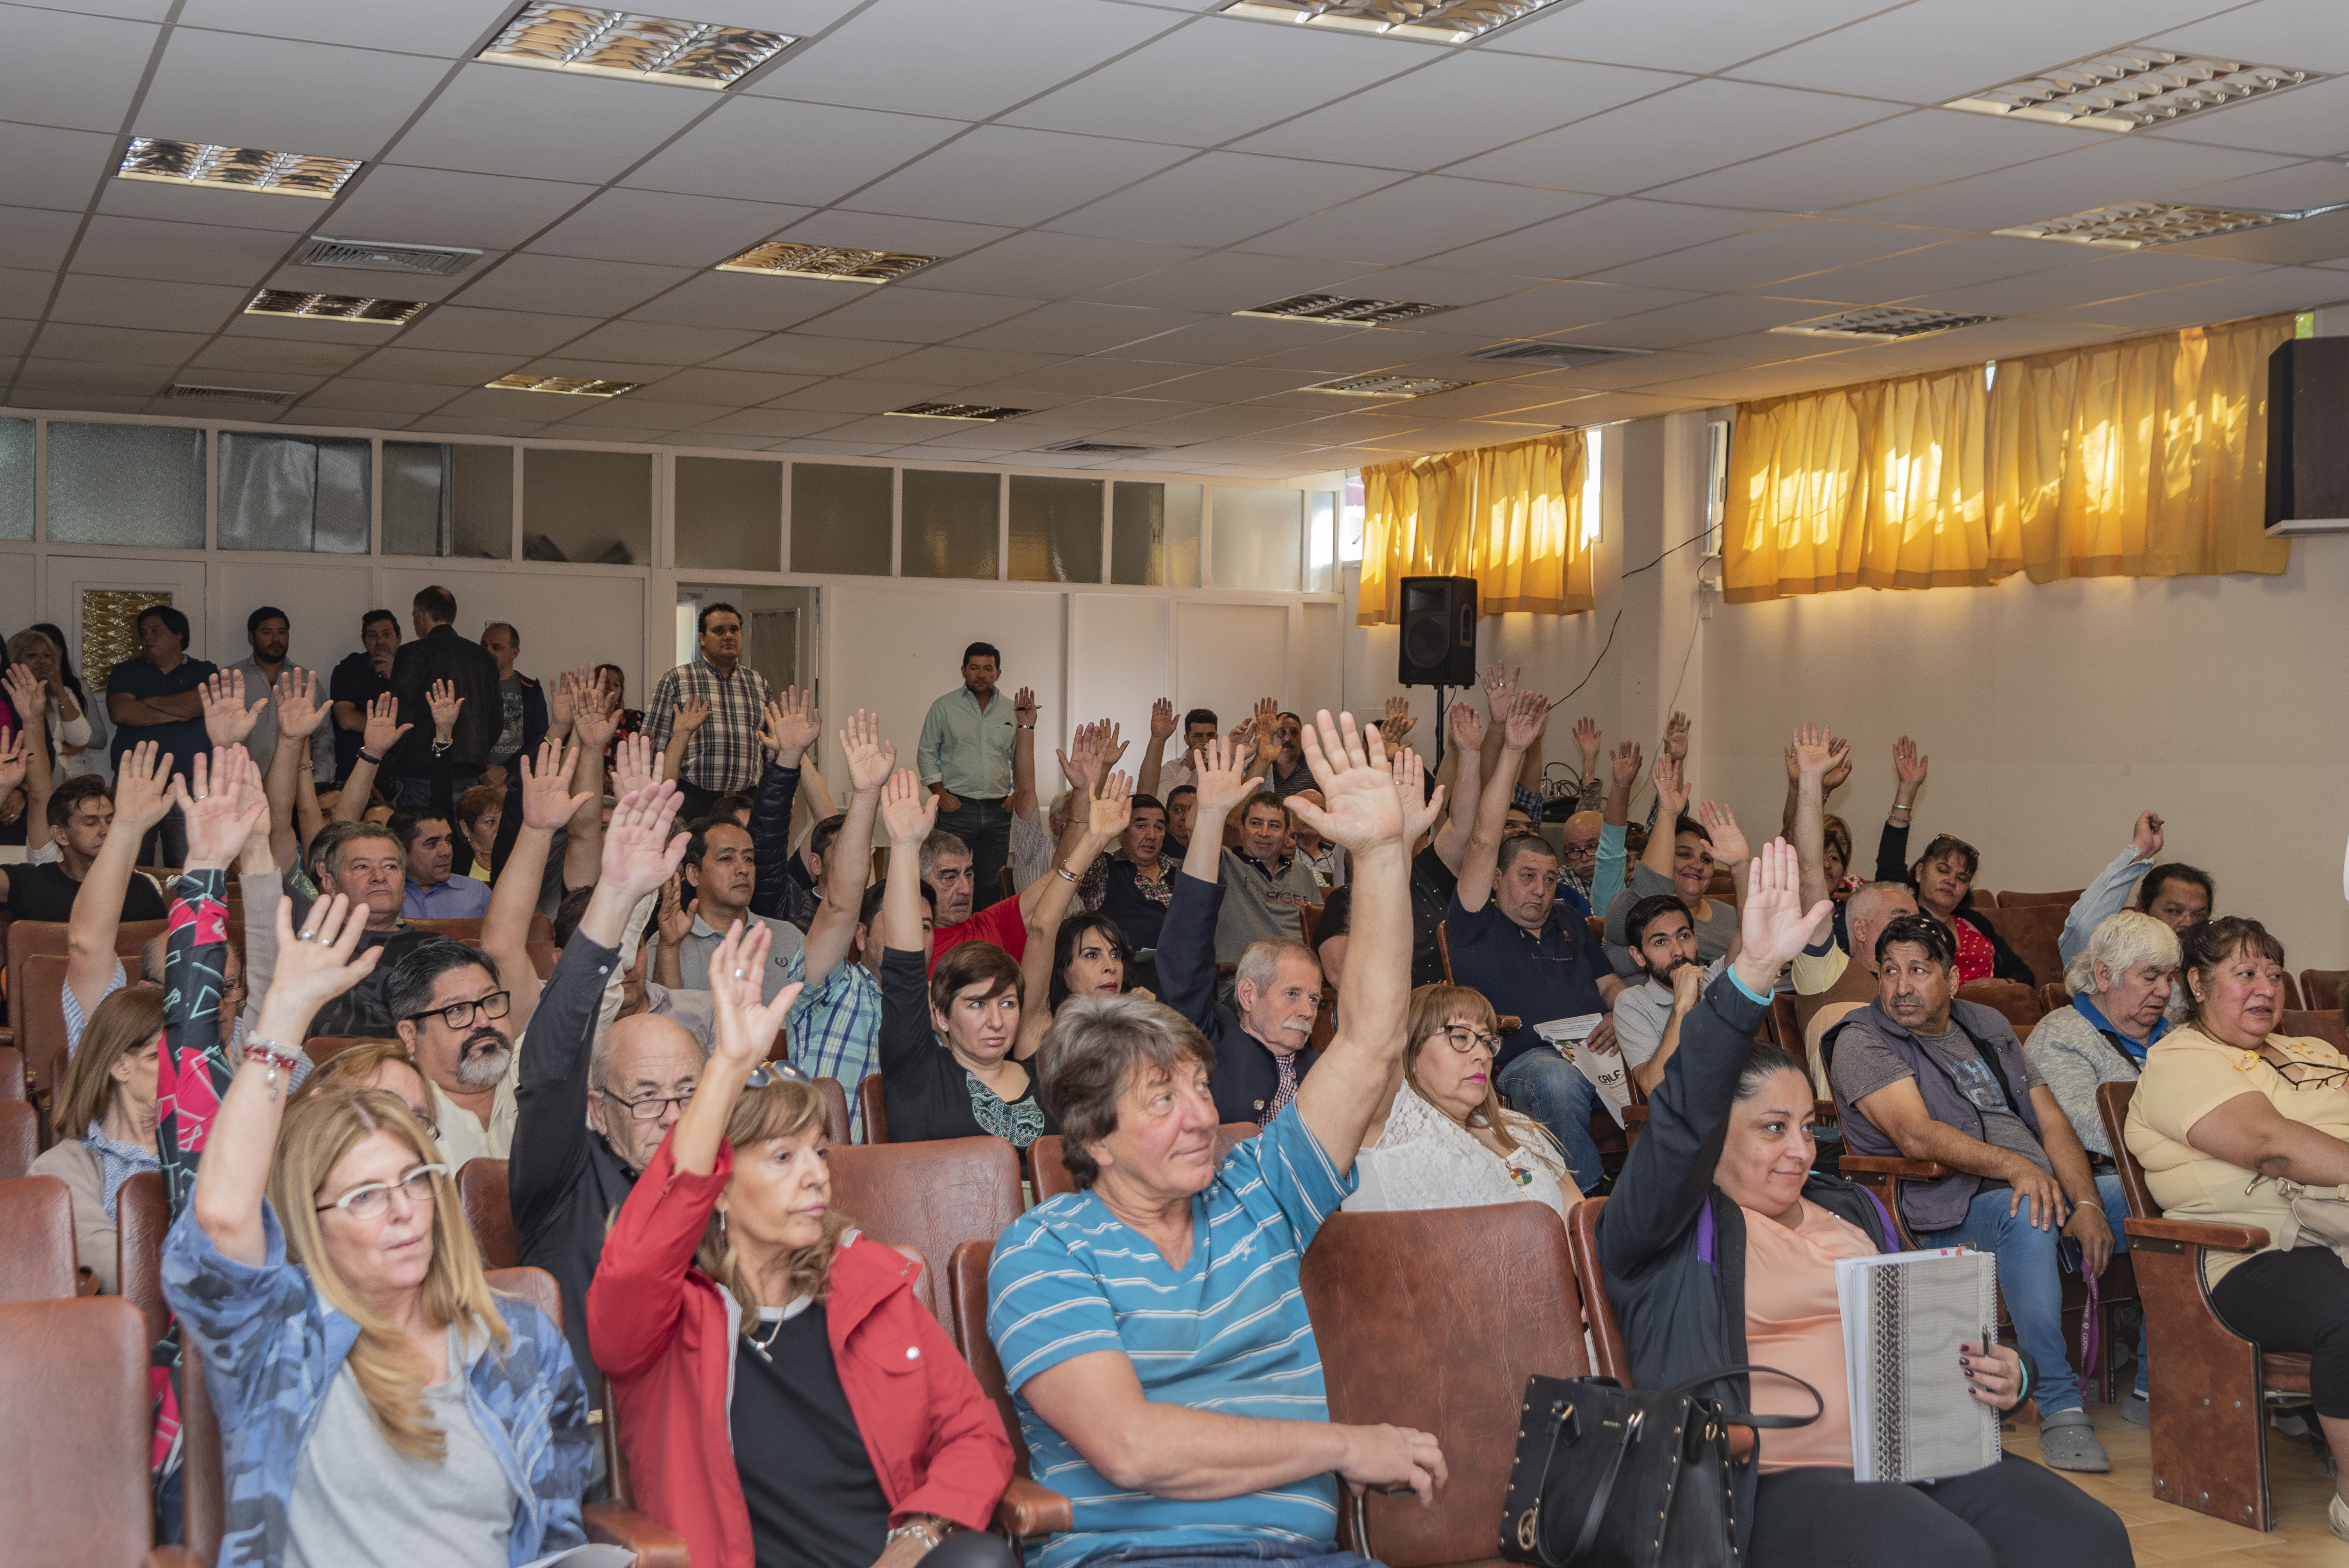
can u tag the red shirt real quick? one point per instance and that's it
(1000, 922)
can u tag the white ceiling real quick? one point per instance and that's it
(1110, 180)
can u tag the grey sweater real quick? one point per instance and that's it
(2073, 1058)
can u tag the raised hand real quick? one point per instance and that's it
(26, 695)
(1112, 747)
(563, 706)
(793, 725)
(1839, 765)
(1500, 687)
(227, 721)
(215, 805)
(142, 793)
(635, 765)
(1162, 720)
(1397, 723)
(1588, 741)
(639, 854)
(441, 701)
(383, 727)
(1626, 764)
(676, 919)
(692, 713)
(1420, 809)
(1362, 809)
(1774, 922)
(1112, 808)
(1809, 752)
(299, 711)
(546, 798)
(1906, 764)
(1023, 706)
(869, 758)
(1676, 734)
(1222, 779)
(1081, 763)
(1670, 790)
(908, 811)
(12, 767)
(747, 1026)
(1728, 839)
(1466, 729)
(2146, 836)
(315, 966)
(1528, 716)
(594, 714)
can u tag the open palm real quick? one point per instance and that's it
(1362, 809)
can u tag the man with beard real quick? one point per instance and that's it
(358, 681)
(1648, 1016)
(720, 876)
(431, 893)
(268, 633)
(450, 1010)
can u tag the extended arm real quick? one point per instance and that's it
(1672, 801)
(1023, 755)
(847, 865)
(594, 717)
(2110, 892)
(1899, 1112)
(910, 812)
(1109, 809)
(141, 799)
(31, 703)
(1153, 756)
(2087, 1223)
(2249, 1132)
(546, 804)
(1522, 724)
(1466, 759)
(298, 717)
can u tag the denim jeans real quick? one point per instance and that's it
(1266, 1549)
(2030, 1279)
(985, 827)
(2116, 1202)
(1552, 1090)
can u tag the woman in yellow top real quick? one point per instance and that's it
(2227, 1119)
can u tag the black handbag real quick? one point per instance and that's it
(1609, 1477)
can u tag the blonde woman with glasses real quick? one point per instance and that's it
(377, 1401)
(1445, 1141)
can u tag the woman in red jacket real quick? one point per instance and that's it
(785, 1400)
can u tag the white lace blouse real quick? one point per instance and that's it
(1424, 1160)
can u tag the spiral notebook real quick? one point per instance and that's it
(1904, 1316)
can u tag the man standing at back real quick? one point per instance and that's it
(726, 755)
(159, 696)
(268, 633)
(522, 703)
(439, 654)
(358, 681)
(965, 757)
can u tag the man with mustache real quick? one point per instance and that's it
(1648, 1016)
(450, 1009)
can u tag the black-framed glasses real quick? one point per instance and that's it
(459, 1015)
(2312, 1075)
(1464, 1039)
(366, 1202)
(652, 1108)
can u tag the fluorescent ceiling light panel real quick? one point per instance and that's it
(1883, 324)
(2132, 88)
(1554, 356)
(1333, 310)
(2132, 225)
(831, 263)
(335, 307)
(1387, 386)
(985, 412)
(1430, 21)
(235, 168)
(229, 394)
(1100, 449)
(632, 46)
(572, 385)
(385, 257)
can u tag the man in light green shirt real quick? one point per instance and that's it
(965, 757)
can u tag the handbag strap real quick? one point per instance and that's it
(1748, 1418)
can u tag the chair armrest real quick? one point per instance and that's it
(1632, 1113)
(1893, 1165)
(2199, 1234)
(1825, 1110)
(655, 1545)
(1028, 1510)
(172, 1557)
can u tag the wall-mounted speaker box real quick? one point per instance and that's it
(2308, 436)
(1439, 631)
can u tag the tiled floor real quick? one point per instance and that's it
(2177, 1537)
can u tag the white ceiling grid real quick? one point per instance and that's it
(1105, 181)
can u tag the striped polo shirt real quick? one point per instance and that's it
(1227, 1331)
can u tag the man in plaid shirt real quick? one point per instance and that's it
(725, 755)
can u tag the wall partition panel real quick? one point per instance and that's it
(1259, 539)
(730, 513)
(310, 494)
(1154, 533)
(587, 506)
(841, 519)
(448, 499)
(1056, 530)
(139, 485)
(17, 478)
(950, 525)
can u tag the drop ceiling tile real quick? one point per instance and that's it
(23, 293)
(1405, 222)
(245, 90)
(1952, 263)
(1433, 285)
(558, 284)
(454, 425)
(791, 354)
(1359, 353)
(59, 168)
(1465, 104)
(2225, 299)
(89, 376)
(1240, 384)
(1547, 308)
(663, 228)
(1917, 149)
(1076, 327)
(1210, 81)
(733, 443)
(1638, 371)
(1080, 378)
(998, 174)
(921, 57)
(730, 389)
(1701, 321)
(544, 125)
(1220, 198)
(806, 154)
(142, 302)
(390, 396)
(965, 367)
(444, 207)
(743, 300)
(773, 423)
(2103, 275)
(184, 204)
(1231, 340)
(36, 238)
(446, 28)
(827, 447)
(2311, 121)
(2284, 32)
(2294, 187)
(877, 428)
(2109, 170)
(79, 71)
(1352, 422)
(1764, 257)
(1498, 399)
(345, 418)
(1461, 435)
(437, 367)
(1991, 340)
(1704, 35)
(16, 336)
(1598, 238)
(1225, 281)
(637, 411)
(267, 354)
(858, 230)
(538, 409)
(70, 403)
(312, 329)
(1049, 265)
(911, 316)
(841, 397)
(1611, 407)
(116, 344)
(652, 343)
(593, 367)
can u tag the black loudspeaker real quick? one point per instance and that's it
(2308, 416)
(1439, 631)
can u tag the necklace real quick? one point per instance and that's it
(762, 1345)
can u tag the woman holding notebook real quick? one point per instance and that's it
(1720, 1247)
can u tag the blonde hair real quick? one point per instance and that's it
(354, 1065)
(786, 1108)
(125, 1022)
(319, 1130)
(1433, 1009)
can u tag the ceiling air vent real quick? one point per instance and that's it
(385, 257)
(982, 411)
(1883, 324)
(829, 264)
(229, 394)
(1387, 386)
(1100, 449)
(335, 307)
(1334, 310)
(573, 386)
(1554, 356)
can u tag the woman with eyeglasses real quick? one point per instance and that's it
(377, 1401)
(1445, 1141)
(1943, 877)
(783, 1397)
(2232, 1122)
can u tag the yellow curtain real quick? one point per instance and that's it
(1510, 517)
(2140, 458)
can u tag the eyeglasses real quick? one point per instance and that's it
(458, 1015)
(767, 1073)
(2312, 1075)
(1933, 850)
(1462, 1038)
(652, 1108)
(366, 1202)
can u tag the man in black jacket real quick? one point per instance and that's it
(564, 1180)
(439, 654)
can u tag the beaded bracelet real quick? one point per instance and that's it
(273, 1053)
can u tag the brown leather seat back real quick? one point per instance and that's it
(2325, 1026)
(37, 1003)
(2319, 989)
(36, 1237)
(536, 1286)
(2053, 997)
(966, 1290)
(2112, 1106)
(482, 1186)
(2012, 999)
(2032, 931)
(873, 1105)
(20, 1138)
(323, 1048)
(1403, 1308)
(1614, 1358)
(835, 1110)
(12, 1072)
(2064, 900)
(1051, 1169)
(203, 1488)
(73, 1390)
(931, 1197)
(141, 1218)
(29, 937)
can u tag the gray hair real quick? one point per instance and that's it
(1260, 964)
(1094, 1049)
(330, 857)
(599, 1056)
(2122, 941)
(939, 845)
(1879, 888)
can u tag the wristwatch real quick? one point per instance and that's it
(927, 1526)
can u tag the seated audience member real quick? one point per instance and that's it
(1729, 1141)
(481, 812)
(1679, 863)
(719, 875)
(376, 1401)
(1090, 957)
(358, 681)
(1943, 878)
(1648, 1016)
(1920, 1075)
(1264, 887)
(1514, 939)
(1577, 863)
(450, 1010)
(1133, 888)
(1442, 1140)
(852, 1432)
(432, 891)
(383, 1064)
(105, 1121)
(79, 819)
(1326, 861)
(2231, 1120)
(1175, 1441)
(2176, 895)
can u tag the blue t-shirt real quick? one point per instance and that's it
(1535, 976)
(182, 739)
(1227, 1331)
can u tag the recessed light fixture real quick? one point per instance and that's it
(1387, 386)
(2132, 88)
(2132, 225)
(1100, 449)
(831, 263)
(1554, 356)
(234, 168)
(385, 257)
(229, 394)
(1430, 21)
(1335, 310)
(572, 385)
(985, 412)
(632, 46)
(335, 307)
(1883, 324)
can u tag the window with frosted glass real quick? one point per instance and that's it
(448, 499)
(126, 484)
(593, 507)
(16, 478)
(729, 515)
(1154, 534)
(839, 519)
(1056, 530)
(1259, 536)
(294, 492)
(1321, 542)
(950, 525)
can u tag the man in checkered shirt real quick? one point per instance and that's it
(725, 753)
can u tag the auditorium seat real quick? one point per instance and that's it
(143, 1217)
(1027, 1510)
(1609, 1356)
(2325, 1026)
(20, 1138)
(2032, 931)
(2321, 988)
(37, 1239)
(873, 1104)
(2027, 900)
(12, 1072)
(2017, 1003)
(482, 1188)
(1052, 1177)
(2053, 997)
(37, 1001)
(835, 1109)
(930, 1196)
(2212, 1388)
